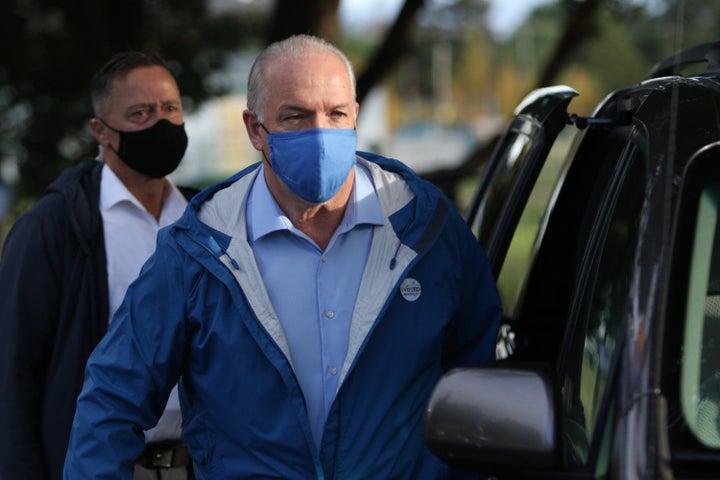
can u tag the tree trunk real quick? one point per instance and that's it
(314, 17)
(395, 45)
(579, 26)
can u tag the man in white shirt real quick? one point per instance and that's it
(67, 262)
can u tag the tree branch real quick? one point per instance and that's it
(579, 27)
(395, 45)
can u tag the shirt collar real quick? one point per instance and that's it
(114, 192)
(265, 215)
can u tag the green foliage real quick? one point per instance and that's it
(628, 38)
(613, 58)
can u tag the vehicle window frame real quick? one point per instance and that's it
(695, 316)
(508, 182)
(701, 172)
(547, 287)
(572, 354)
(539, 118)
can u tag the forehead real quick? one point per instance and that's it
(313, 76)
(144, 85)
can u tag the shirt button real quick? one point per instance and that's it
(324, 258)
(330, 314)
(333, 371)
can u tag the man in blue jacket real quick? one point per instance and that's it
(310, 304)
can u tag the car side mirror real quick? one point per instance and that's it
(486, 419)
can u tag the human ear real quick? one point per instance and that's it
(254, 129)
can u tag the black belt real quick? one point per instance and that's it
(165, 454)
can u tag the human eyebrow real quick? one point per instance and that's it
(140, 109)
(293, 111)
(342, 106)
(140, 106)
(172, 104)
(145, 109)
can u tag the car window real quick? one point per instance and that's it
(589, 365)
(519, 255)
(700, 377)
(513, 168)
(519, 139)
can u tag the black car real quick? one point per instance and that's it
(610, 353)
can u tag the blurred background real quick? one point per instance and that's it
(437, 79)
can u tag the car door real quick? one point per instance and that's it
(647, 301)
(606, 241)
(507, 184)
(568, 320)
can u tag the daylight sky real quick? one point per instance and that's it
(504, 15)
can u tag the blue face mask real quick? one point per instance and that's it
(313, 163)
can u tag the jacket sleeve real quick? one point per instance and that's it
(473, 336)
(30, 287)
(130, 374)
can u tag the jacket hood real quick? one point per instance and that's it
(80, 188)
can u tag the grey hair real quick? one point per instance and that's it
(292, 46)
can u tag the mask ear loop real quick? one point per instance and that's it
(107, 125)
(266, 158)
(266, 131)
(114, 130)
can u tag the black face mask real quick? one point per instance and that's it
(155, 151)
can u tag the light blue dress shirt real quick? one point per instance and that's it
(314, 291)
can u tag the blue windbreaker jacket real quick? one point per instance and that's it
(199, 311)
